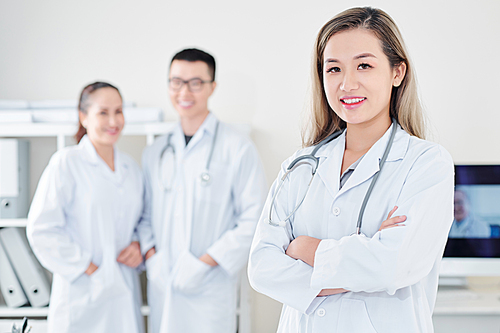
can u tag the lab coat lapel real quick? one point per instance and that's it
(91, 156)
(121, 168)
(208, 126)
(201, 137)
(330, 164)
(89, 152)
(369, 164)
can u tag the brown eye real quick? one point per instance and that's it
(333, 70)
(364, 66)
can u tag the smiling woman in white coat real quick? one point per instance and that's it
(336, 266)
(82, 222)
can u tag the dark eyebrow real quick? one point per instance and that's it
(178, 78)
(359, 56)
(330, 60)
(365, 55)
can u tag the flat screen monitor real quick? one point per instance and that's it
(473, 247)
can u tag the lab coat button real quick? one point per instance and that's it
(321, 312)
(336, 211)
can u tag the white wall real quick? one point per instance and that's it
(51, 49)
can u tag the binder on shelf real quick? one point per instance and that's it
(28, 270)
(14, 178)
(10, 287)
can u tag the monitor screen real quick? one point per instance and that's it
(475, 231)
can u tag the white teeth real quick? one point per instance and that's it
(185, 103)
(352, 100)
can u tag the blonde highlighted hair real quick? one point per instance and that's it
(405, 105)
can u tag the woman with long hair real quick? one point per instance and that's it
(355, 225)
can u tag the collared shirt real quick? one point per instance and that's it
(348, 172)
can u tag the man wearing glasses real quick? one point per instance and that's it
(205, 189)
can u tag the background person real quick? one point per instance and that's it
(200, 229)
(329, 279)
(465, 225)
(81, 224)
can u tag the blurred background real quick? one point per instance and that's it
(51, 49)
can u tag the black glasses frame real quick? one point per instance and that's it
(188, 82)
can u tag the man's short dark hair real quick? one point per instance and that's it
(197, 55)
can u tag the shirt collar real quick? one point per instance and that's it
(93, 158)
(91, 154)
(207, 127)
(398, 149)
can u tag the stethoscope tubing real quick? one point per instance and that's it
(290, 168)
(205, 177)
(375, 177)
(312, 156)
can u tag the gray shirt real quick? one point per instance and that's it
(348, 172)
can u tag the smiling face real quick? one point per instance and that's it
(358, 78)
(187, 103)
(103, 119)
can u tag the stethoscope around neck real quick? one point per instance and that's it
(315, 162)
(205, 177)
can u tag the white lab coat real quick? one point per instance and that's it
(83, 212)
(185, 294)
(392, 274)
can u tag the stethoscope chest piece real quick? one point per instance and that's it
(205, 179)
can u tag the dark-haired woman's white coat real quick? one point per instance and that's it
(83, 212)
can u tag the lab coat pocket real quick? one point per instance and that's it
(155, 271)
(353, 317)
(79, 299)
(189, 274)
(107, 283)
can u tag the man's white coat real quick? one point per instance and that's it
(185, 294)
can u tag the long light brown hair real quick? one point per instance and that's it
(405, 105)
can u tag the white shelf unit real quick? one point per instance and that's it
(61, 131)
(27, 311)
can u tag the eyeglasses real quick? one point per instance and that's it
(194, 85)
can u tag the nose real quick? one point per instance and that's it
(184, 89)
(112, 120)
(349, 81)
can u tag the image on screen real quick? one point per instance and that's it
(476, 211)
(475, 231)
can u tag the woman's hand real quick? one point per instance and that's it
(392, 222)
(328, 292)
(91, 269)
(151, 252)
(303, 248)
(207, 259)
(131, 255)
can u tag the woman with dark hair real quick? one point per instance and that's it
(328, 246)
(82, 221)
